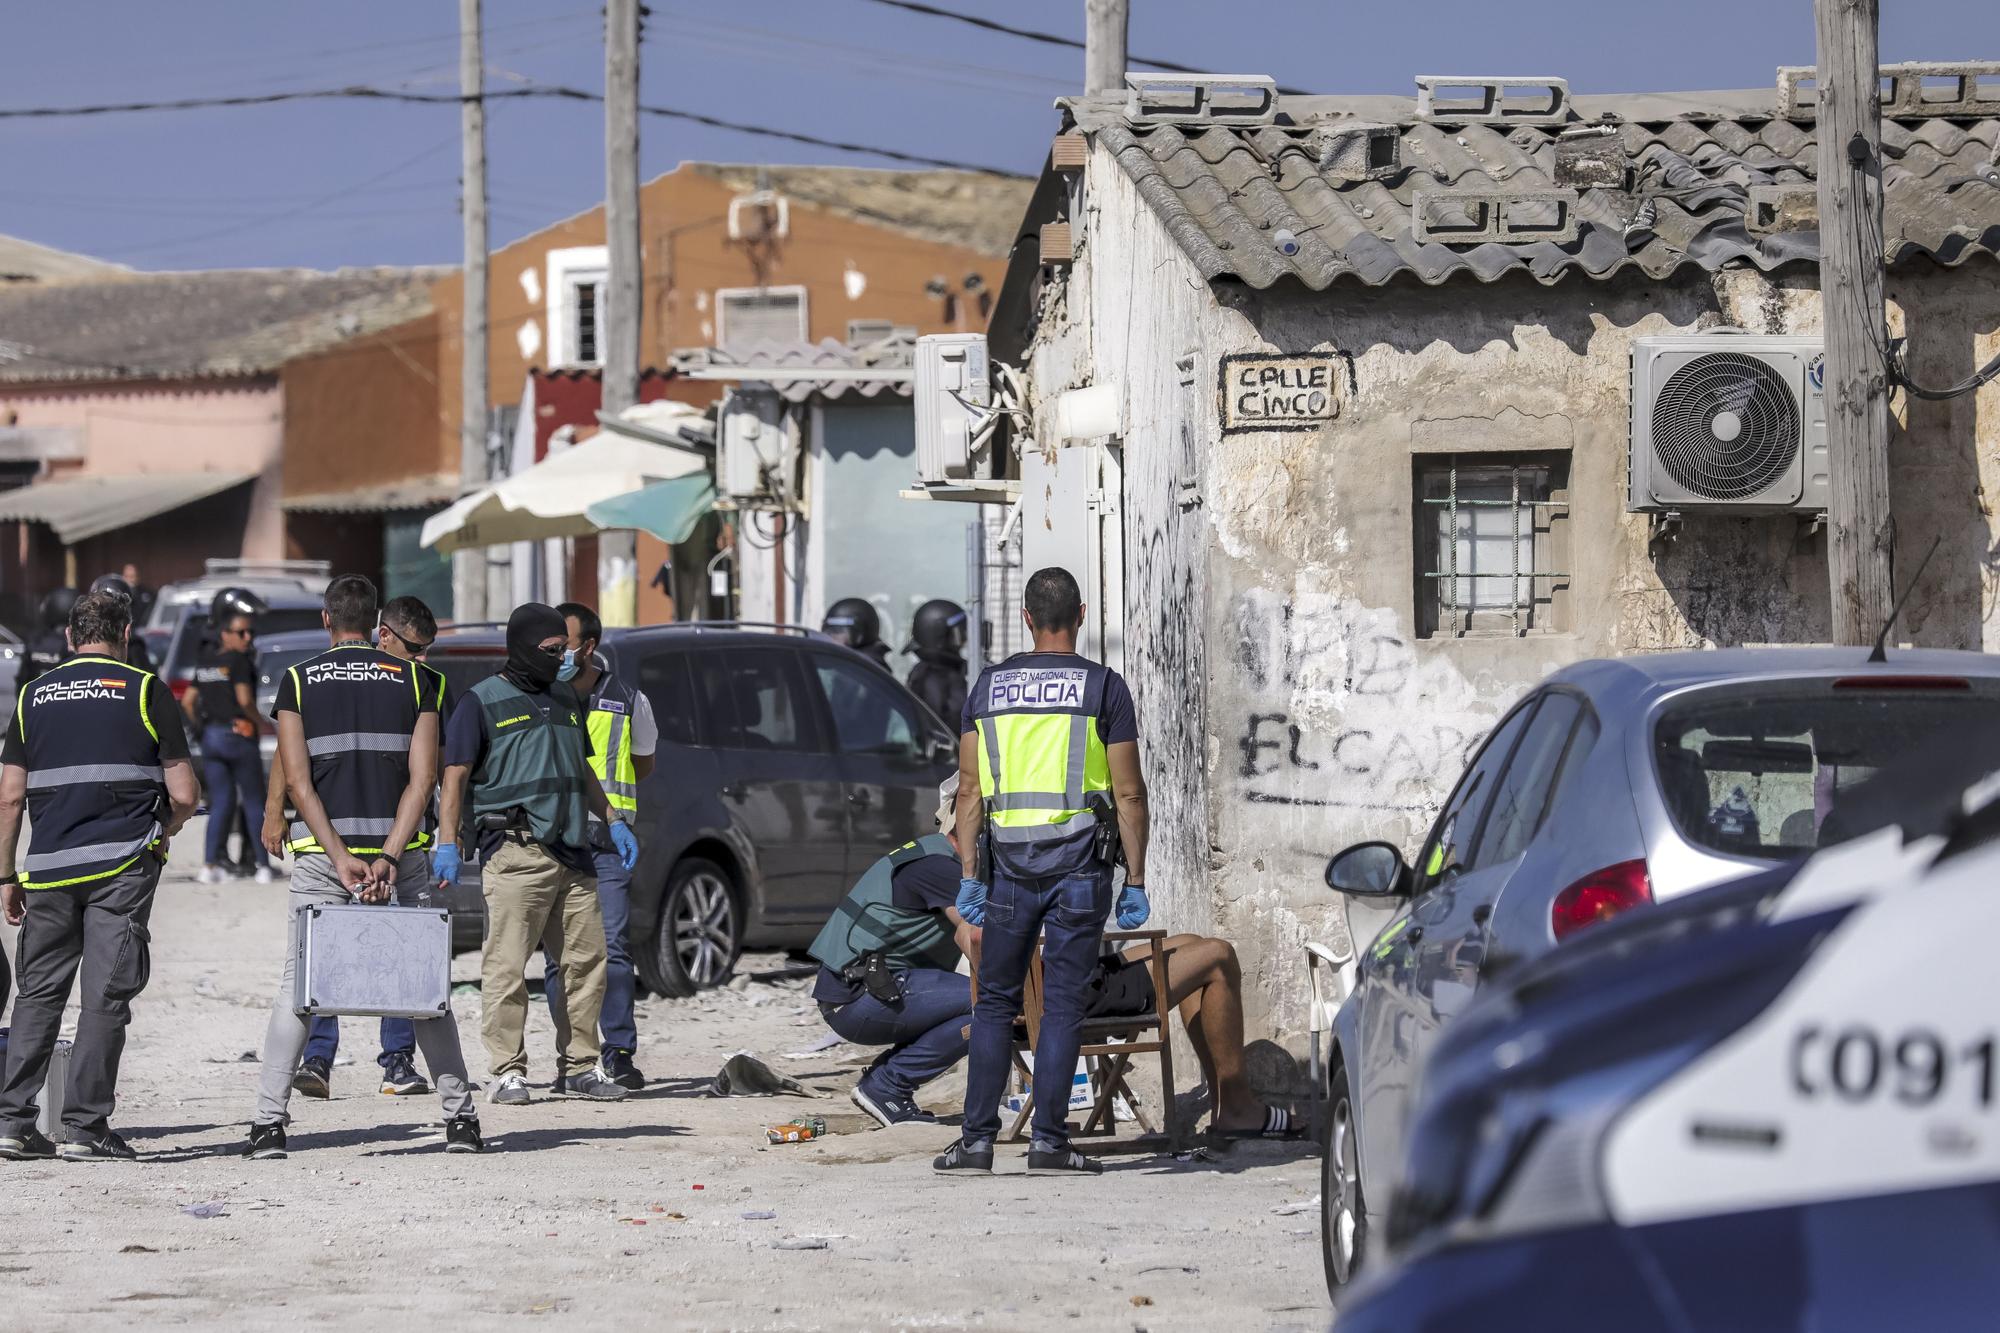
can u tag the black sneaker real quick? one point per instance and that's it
(267, 1143)
(27, 1146)
(103, 1146)
(591, 1085)
(888, 1108)
(616, 1064)
(461, 1134)
(958, 1157)
(401, 1079)
(1061, 1162)
(314, 1079)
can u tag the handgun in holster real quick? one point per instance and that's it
(1106, 845)
(511, 820)
(871, 971)
(982, 847)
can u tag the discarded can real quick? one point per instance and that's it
(812, 1127)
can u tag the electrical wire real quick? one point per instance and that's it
(557, 92)
(1045, 38)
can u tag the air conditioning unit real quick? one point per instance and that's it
(751, 445)
(954, 392)
(1728, 422)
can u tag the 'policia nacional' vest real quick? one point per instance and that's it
(358, 706)
(1040, 758)
(95, 786)
(535, 761)
(611, 744)
(868, 918)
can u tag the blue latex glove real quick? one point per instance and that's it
(626, 842)
(444, 863)
(1133, 909)
(972, 901)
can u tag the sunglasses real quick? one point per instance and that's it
(416, 649)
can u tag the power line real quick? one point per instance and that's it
(1045, 38)
(535, 91)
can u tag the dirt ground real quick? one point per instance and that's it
(633, 1212)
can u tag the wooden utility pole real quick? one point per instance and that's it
(1105, 23)
(1859, 532)
(617, 552)
(468, 566)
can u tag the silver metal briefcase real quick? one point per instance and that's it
(382, 962)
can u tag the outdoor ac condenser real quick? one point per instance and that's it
(751, 444)
(954, 390)
(1728, 422)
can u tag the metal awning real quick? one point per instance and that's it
(79, 508)
(384, 497)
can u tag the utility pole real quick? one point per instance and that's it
(617, 552)
(1859, 530)
(468, 566)
(1105, 23)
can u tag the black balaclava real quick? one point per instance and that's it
(528, 667)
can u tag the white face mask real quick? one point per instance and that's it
(570, 666)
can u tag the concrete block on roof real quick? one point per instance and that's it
(1592, 158)
(1914, 89)
(1356, 151)
(1214, 99)
(1781, 208)
(1486, 99)
(1509, 217)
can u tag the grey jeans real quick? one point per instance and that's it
(314, 884)
(99, 929)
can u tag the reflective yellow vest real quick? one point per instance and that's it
(611, 745)
(1040, 754)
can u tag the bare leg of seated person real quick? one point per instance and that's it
(1206, 984)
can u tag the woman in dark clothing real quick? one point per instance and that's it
(223, 705)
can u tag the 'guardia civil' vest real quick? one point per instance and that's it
(535, 761)
(1040, 754)
(868, 918)
(95, 785)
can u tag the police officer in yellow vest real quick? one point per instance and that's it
(1049, 787)
(97, 755)
(623, 737)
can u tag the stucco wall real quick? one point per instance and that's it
(1289, 705)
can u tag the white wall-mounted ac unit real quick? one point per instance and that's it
(954, 393)
(751, 445)
(1728, 422)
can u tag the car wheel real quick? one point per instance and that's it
(1343, 1228)
(700, 931)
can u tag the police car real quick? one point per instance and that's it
(1770, 1105)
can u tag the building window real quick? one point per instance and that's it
(1491, 543)
(751, 316)
(576, 290)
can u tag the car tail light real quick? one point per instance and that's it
(179, 685)
(1599, 896)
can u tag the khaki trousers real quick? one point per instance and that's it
(533, 899)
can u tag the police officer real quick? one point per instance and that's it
(358, 731)
(937, 637)
(889, 969)
(852, 621)
(47, 649)
(136, 651)
(1049, 742)
(623, 737)
(97, 754)
(519, 741)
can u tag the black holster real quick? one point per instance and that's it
(1107, 846)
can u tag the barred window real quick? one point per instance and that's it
(1491, 543)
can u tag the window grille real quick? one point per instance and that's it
(583, 304)
(1486, 544)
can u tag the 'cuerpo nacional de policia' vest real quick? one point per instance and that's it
(358, 706)
(95, 785)
(611, 743)
(1040, 759)
(535, 762)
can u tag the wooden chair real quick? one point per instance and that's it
(1108, 1048)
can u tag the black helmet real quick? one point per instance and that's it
(853, 622)
(57, 603)
(938, 627)
(234, 602)
(112, 583)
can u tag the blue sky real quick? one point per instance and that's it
(345, 183)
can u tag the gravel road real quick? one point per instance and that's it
(633, 1213)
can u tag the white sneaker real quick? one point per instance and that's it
(511, 1090)
(210, 875)
(264, 875)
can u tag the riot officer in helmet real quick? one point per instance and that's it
(136, 651)
(937, 637)
(852, 621)
(48, 648)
